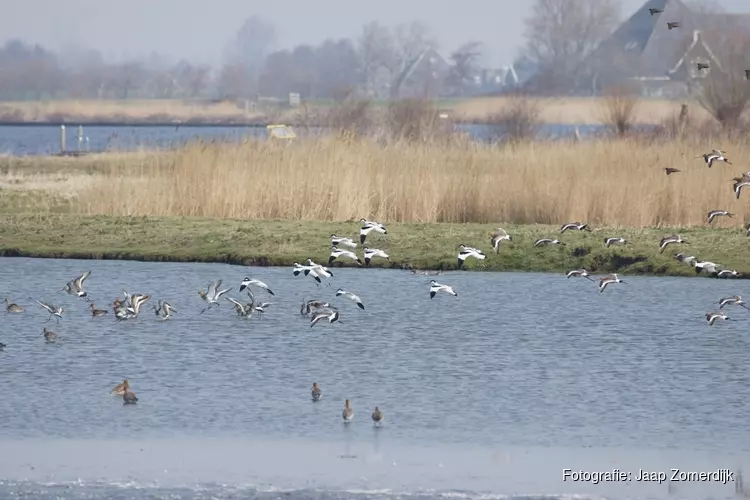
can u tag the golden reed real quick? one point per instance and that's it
(617, 183)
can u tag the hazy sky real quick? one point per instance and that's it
(199, 29)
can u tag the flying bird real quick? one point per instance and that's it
(668, 240)
(75, 286)
(709, 267)
(715, 155)
(331, 315)
(615, 240)
(547, 241)
(653, 12)
(702, 66)
(728, 273)
(368, 227)
(164, 309)
(51, 309)
(347, 242)
(607, 280)
(685, 259)
(713, 316)
(212, 295)
(497, 237)
(718, 213)
(436, 287)
(672, 25)
(355, 298)
(465, 252)
(734, 300)
(371, 253)
(247, 282)
(574, 226)
(337, 252)
(671, 170)
(579, 273)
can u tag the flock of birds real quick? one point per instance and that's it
(676, 24)
(319, 310)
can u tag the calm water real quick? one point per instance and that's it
(491, 393)
(45, 139)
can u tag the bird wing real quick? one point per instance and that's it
(213, 287)
(78, 282)
(222, 292)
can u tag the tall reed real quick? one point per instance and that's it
(617, 183)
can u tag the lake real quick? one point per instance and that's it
(490, 393)
(45, 139)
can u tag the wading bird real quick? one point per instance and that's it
(371, 253)
(211, 296)
(75, 286)
(317, 394)
(547, 241)
(614, 240)
(332, 315)
(715, 155)
(734, 300)
(377, 416)
(247, 282)
(347, 242)
(368, 227)
(11, 307)
(52, 310)
(337, 252)
(348, 413)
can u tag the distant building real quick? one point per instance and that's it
(661, 61)
(424, 78)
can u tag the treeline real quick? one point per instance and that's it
(375, 64)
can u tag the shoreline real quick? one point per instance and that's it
(280, 243)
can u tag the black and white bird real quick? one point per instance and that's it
(337, 252)
(574, 226)
(436, 287)
(56, 311)
(709, 267)
(713, 316)
(497, 237)
(371, 253)
(614, 240)
(349, 295)
(311, 306)
(320, 270)
(608, 280)
(331, 315)
(306, 270)
(368, 227)
(668, 240)
(685, 259)
(347, 242)
(715, 155)
(728, 273)
(247, 282)
(465, 252)
(547, 241)
(579, 273)
(718, 213)
(75, 286)
(734, 300)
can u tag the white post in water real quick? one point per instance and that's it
(62, 138)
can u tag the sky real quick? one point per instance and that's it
(199, 29)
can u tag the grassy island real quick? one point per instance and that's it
(268, 203)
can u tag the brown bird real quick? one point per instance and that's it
(702, 66)
(120, 389)
(377, 416)
(670, 170)
(97, 312)
(673, 25)
(653, 12)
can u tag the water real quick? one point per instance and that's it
(45, 139)
(491, 393)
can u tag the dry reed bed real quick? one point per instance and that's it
(615, 183)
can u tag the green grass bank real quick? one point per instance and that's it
(423, 246)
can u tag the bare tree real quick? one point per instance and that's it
(725, 91)
(561, 33)
(233, 82)
(248, 49)
(465, 65)
(410, 42)
(377, 52)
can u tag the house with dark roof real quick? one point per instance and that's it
(663, 62)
